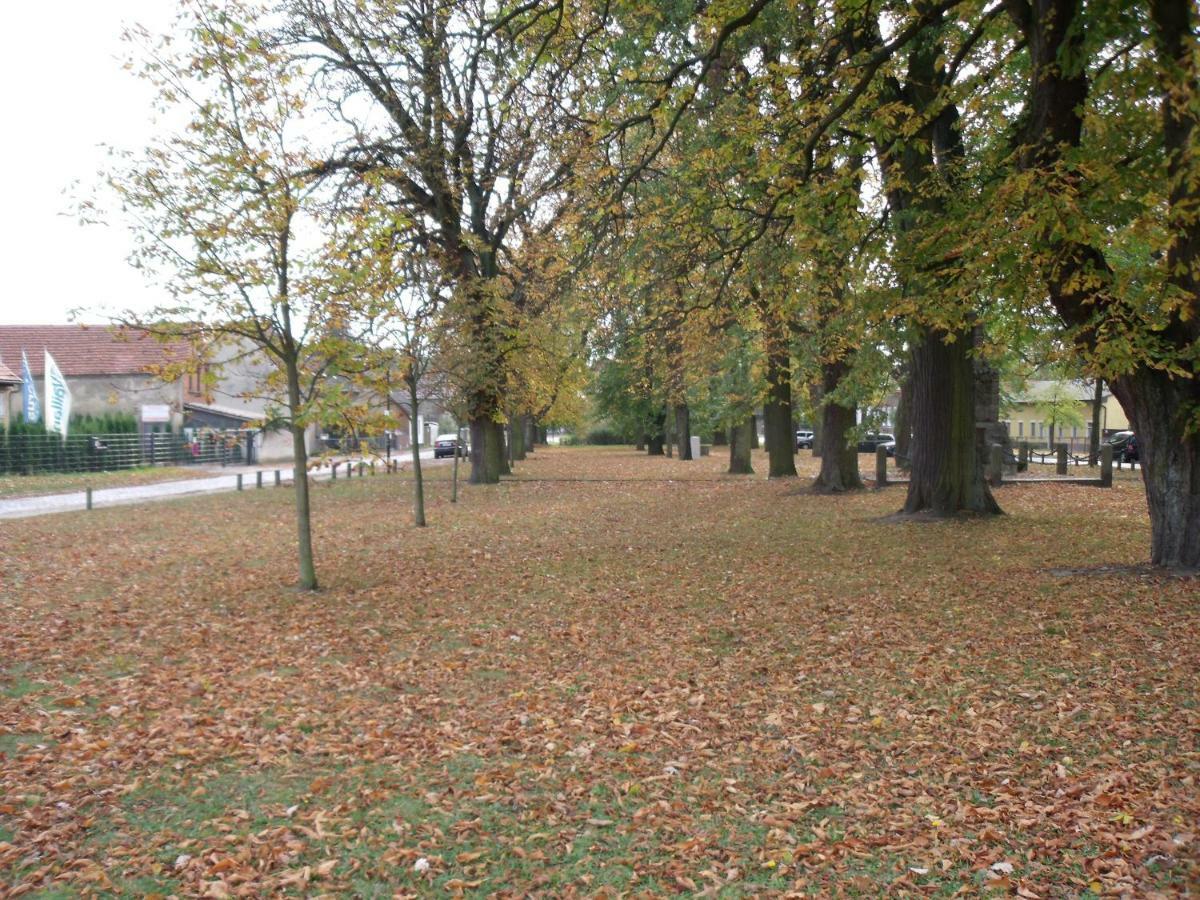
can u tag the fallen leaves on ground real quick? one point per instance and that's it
(610, 675)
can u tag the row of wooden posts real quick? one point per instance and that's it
(391, 467)
(995, 467)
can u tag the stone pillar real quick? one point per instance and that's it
(995, 472)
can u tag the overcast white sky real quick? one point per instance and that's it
(64, 94)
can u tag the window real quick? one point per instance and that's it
(1020, 429)
(194, 383)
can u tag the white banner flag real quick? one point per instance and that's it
(58, 398)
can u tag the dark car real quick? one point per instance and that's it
(1124, 445)
(1118, 441)
(804, 440)
(446, 446)
(869, 442)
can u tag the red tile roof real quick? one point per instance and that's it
(88, 349)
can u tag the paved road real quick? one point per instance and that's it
(23, 507)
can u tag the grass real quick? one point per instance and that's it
(610, 674)
(13, 486)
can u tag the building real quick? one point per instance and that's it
(109, 369)
(1065, 406)
(10, 382)
(114, 369)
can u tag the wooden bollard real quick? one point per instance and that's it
(333, 472)
(1060, 465)
(372, 467)
(361, 468)
(239, 482)
(1106, 455)
(996, 464)
(258, 480)
(880, 466)
(278, 478)
(88, 497)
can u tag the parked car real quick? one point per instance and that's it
(804, 440)
(1120, 443)
(868, 442)
(447, 445)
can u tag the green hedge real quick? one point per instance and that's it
(109, 423)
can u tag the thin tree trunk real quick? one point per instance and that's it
(720, 436)
(946, 476)
(454, 476)
(839, 458)
(739, 448)
(308, 571)
(418, 480)
(904, 421)
(683, 430)
(818, 430)
(1097, 407)
(753, 431)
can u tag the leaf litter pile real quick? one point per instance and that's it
(612, 675)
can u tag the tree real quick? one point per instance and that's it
(1112, 97)
(399, 294)
(1059, 407)
(223, 210)
(467, 112)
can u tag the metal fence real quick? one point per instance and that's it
(28, 454)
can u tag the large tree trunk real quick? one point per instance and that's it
(501, 438)
(1170, 460)
(1077, 274)
(487, 451)
(656, 440)
(904, 421)
(989, 429)
(308, 570)
(739, 448)
(753, 431)
(529, 423)
(839, 458)
(946, 475)
(516, 436)
(777, 412)
(418, 480)
(720, 437)
(683, 430)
